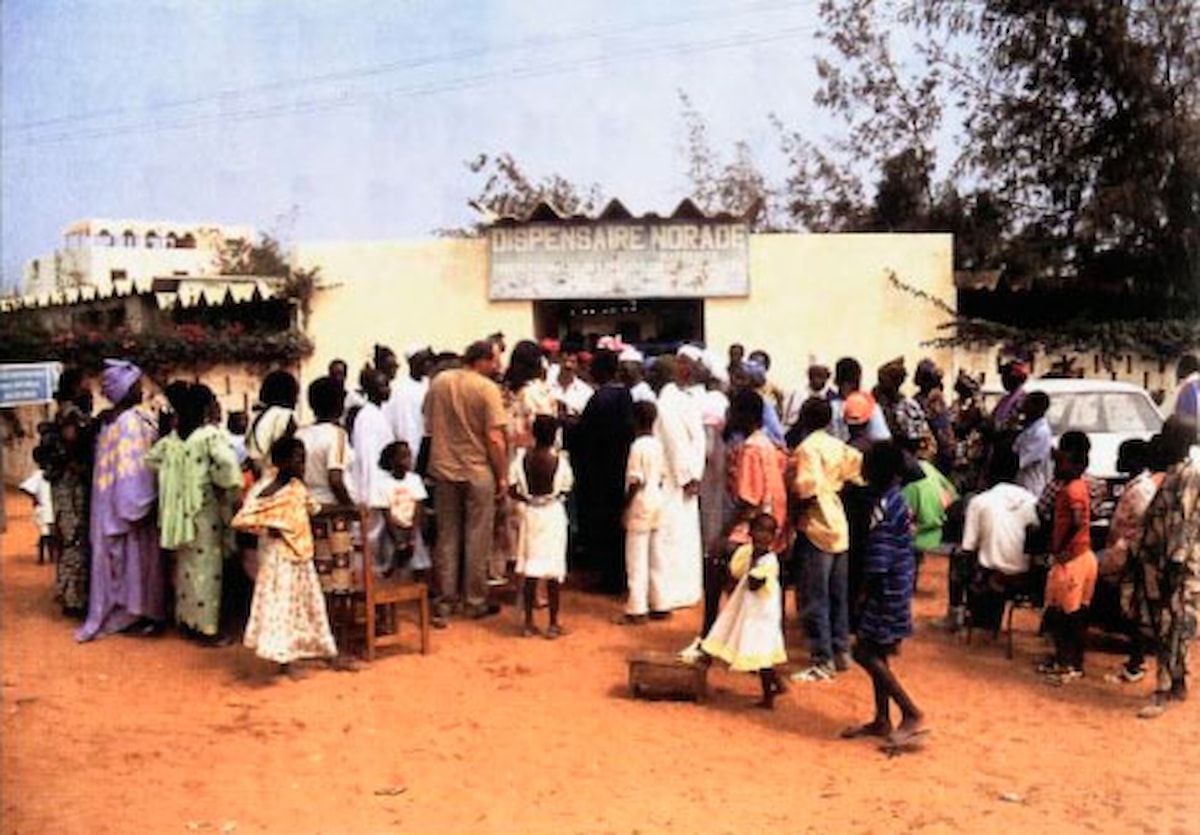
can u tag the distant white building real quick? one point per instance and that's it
(105, 253)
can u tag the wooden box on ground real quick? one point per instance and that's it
(661, 675)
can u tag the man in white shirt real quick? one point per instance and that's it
(570, 392)
(997, 521)
(404, 406)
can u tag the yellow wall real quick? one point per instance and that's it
(403, 293)
(829, 295)
(826, 294)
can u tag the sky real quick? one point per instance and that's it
(353, 119)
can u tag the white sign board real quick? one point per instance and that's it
(28, 383)
(619, 260)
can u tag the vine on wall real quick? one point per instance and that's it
(1159, 338)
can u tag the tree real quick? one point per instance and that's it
(738, 187)
(508, 191)
(242, 257)
(266, 258)
(1078, 123)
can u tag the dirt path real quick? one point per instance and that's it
(496, 733)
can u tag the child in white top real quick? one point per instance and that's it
(748, 634)
(645, 471)
(37, 486)
(398, 493)
(541, 478)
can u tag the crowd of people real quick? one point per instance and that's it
(671, 481)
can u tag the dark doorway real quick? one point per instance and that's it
(654, 325)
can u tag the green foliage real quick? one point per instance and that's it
(190, 346)
(1077, 124)
(265, 258)
(1165, 339)
(242, 257)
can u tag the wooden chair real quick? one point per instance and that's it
(388, 594)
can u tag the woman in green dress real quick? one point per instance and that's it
(198, 484)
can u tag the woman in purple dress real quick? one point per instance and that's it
(127, 576)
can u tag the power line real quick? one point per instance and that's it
(432, 88)
(546, 42)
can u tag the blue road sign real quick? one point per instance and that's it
(28, 383)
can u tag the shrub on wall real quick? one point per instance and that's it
(194, 346)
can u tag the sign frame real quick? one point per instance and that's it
(28, 383)
(619, 259)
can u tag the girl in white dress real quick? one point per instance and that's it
(748, 634)
(541, 478)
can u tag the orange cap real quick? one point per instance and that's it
(857, 408)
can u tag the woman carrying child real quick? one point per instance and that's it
(288, 621)
(541, 478)
(748, 633)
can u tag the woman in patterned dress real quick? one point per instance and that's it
(70, 475)
(198, 482)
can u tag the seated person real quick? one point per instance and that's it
(995, 531)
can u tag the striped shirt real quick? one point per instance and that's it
(889, 566)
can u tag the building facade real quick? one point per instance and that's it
(105, 252)
(701, 280)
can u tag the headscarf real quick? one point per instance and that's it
(692, 352)
(118, 378)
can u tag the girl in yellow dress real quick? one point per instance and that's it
(748, 634)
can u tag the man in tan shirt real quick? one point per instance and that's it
(465, 420)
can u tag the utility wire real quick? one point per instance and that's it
(544, 42)
(347, 99)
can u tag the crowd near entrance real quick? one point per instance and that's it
(653, 325)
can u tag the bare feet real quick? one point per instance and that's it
(344, 664)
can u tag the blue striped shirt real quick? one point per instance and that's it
(889, 567)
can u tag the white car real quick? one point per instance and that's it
(1109, 412)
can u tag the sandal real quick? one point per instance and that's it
(555, 631)
(529, 631)
(817, 672)
(869, 729)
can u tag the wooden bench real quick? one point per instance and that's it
(662, 675)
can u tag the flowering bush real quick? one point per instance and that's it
(194, 346)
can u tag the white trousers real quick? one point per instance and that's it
(646, 570)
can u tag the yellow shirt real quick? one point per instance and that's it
(823, 466)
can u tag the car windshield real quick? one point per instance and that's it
(1097, 412)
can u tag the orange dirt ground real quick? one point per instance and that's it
(492, 732)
